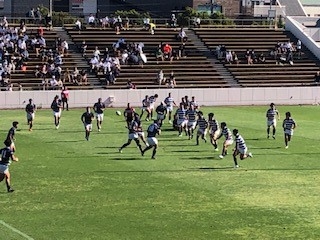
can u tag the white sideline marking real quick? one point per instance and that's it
(16, 230)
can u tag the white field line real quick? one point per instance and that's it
(16, 230)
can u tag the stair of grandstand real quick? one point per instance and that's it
(194, 70)
(268, 74)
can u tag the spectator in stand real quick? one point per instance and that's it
(171, 81)
(299, 48)
(67, 76)
(197, 22)
(78, 25)
(173, 21)
(76, 76)
(38, 16)
(317, 78)
(262, 58)
(182, 36)
(48, 22)
(235, 58)
(182, 51)
(53, 83)
(130, 85)
(84, 77)
(126, 23)
(159, 53)
(160, 77)
(59, 83)
(146, 23)
(167, 51)
(83, 48)
(65, 47)
(229, 58)
(91, 20)
(223, 52)
(105, 22)
(248, 57)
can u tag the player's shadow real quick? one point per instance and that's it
(126, 159)
(182, 151)
(265, 147)
(66, 141)
(199, 158)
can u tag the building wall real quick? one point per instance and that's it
(20, 7)
(231, 8)
(204, 97)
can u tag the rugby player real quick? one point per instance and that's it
(192, 121)
(30, 110)
(169, 103)
(288, 125)
(202, 124)
(225, 131)
(272, 115)
(153, 130)
(181, 119)
(213, 130)
(86, 119)
(240, 148)
(98, 108)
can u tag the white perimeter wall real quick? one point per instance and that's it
(206, 97)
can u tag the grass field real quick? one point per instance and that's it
(70, 188)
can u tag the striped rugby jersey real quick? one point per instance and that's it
(240, 143)
(169, 101)
(288, 124)
(227, 133)
(192, 115)
(271, 114)
(202, 123)
(181, 113)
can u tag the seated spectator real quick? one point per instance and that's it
(171, 81)
(182, 36)
(167, 51)
(59, 84)
(67, 76)
(84, 77)
(317, 78)
(91, 20)
(146, 23)
(130, 85)
(229, 57)
(173, 21)
(64, 47)
(105, 22)
(159, 54)
(261, 58)
(196, 22)
(160, 77)
(152, 28)
(48, 20)
(78, 25)
(76, 76)
(235, 58)
(53, 83)
(126, 23)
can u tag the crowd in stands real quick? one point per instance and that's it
(282, 53)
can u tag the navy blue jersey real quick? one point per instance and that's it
(55, 106)
(30, 108)
(161, 109)
(87, 117)
(10, 135)
(153, 129)
(6, 156)
(98, 107)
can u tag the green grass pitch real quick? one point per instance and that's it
(70, 188)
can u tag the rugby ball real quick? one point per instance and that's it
(118, 113)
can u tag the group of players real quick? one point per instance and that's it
(188, 118)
